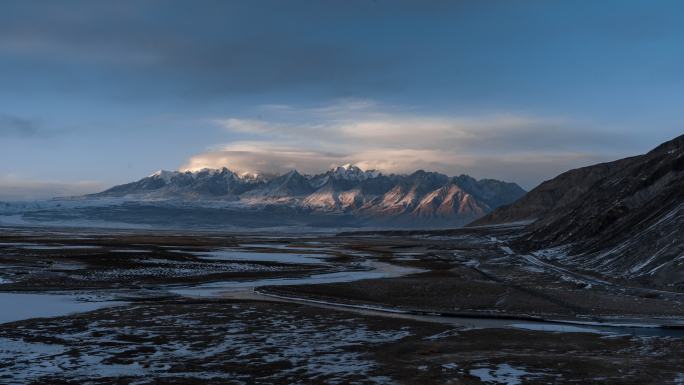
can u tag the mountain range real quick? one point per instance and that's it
(342, 196)
(623, 218)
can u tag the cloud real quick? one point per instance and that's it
(264, 157)
(14, 126)
(196, 52)
(394, 139)
(245, 125)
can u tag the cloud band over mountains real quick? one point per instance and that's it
(399, 140)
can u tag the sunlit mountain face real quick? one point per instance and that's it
(342, 196)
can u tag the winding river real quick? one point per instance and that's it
(21, 306)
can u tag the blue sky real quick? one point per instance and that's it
(96, 93)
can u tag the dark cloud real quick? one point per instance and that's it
(219, 48)
(460, 50)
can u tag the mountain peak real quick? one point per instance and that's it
(250, 176)
(164, 175)
(292, 173)
(347, 167)
(350, 171)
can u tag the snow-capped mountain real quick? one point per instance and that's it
(206, 183)
(285, 187)
(352, 172)
(421, 197)
(344, 195)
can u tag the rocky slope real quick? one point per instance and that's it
(552, 195)
(624, 218)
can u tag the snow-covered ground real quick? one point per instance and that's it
(504, 374)
(320, 348)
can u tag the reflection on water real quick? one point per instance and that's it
(256, 256)
(20, 306)
(376, 270)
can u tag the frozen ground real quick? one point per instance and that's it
(366, 309)
(231, 343)
(504, 374)
(244, 342)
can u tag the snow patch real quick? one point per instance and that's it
(679, 380)
(503, 374)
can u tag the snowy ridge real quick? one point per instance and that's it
(366, 196)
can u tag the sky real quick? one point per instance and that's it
(97, 93)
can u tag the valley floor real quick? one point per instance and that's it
(459, 307)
